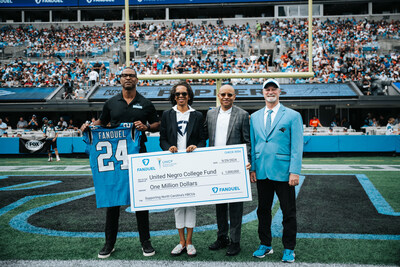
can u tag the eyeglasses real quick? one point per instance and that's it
(125, 75)
(226, 94)
(178, 94)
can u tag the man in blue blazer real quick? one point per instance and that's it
(276, 134)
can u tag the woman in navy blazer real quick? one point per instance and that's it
(182, 130)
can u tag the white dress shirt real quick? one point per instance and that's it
(273, 114)
(221, 129)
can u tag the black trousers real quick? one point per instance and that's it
(235, 217)
(111, 229)
(287, 198)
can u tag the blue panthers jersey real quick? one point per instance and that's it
(108, 150)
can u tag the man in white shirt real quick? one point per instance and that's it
(93, 77)
(390, 130)
(22, 124)
(228, 125)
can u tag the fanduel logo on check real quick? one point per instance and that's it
(146, 167)
(225, 189)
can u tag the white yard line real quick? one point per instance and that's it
(123, 263)
(306, 167)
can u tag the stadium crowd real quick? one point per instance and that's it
(343, 50)
(68, 42)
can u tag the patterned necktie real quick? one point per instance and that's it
(268, 122)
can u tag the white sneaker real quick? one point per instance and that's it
(50, 159)
(178, 250)
(58, 159)
(191, 251)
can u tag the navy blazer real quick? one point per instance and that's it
(169, 130)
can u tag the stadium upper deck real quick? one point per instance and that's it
(88, 11)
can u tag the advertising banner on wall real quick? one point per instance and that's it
(19, 94)
(103, 2)
(34, 146)
(38, 3)
(76, 3)
(248, 91)
(183, 2)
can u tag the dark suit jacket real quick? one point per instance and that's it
(169, 130)
(238, 128)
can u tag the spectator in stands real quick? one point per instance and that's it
(61, 125)
(97, 67)
(45, 121)
(92, 121)
(68, 87)
(79, 92)
(116, 59)
(345, 123)
(71, 125)
(22, 124)
(390, 130)
(334, 123)
(381, 120)
(368, 120)
(7, 120)
(33, 123)
(397, 120)
(314, 122)
(51, 135)
(375, 123)
(93, 77)
(3, 128)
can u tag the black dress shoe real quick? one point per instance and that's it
(233, 249)
(106, 251)
(221, 242)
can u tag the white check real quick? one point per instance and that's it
(205, 176)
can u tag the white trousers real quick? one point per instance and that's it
(185, 217)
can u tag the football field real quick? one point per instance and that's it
(348, 211)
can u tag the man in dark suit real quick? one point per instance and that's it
(228, 125)
(276, 152)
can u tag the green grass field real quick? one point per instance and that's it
(17, 245)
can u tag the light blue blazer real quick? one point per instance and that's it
(276, 154)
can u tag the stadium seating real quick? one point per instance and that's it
(222, 46)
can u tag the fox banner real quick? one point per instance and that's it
(34, 146)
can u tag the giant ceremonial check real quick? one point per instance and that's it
(203, 177)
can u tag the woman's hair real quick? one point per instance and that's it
(173, 90)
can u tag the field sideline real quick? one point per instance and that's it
(380, 247)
